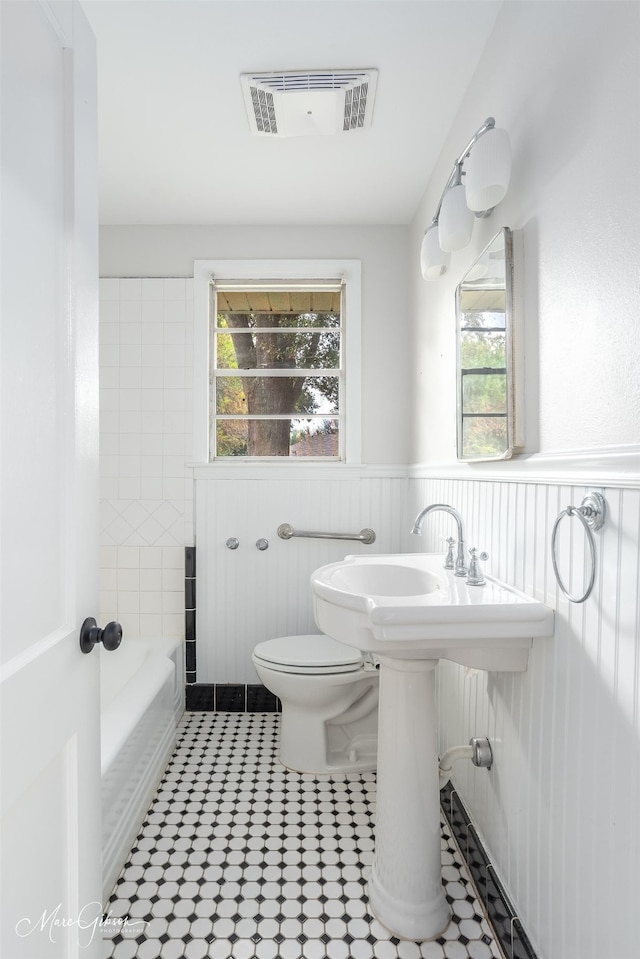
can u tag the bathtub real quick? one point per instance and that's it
(141, 701)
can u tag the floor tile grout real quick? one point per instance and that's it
(240, 858)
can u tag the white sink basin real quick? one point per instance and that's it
(412, 612)
(409, 607)
(381, 578)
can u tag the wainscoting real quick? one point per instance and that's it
(558, 811)
(247, 595)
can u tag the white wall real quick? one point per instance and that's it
(170, 251)
(147, 484)
(564, 80)
(559, 810)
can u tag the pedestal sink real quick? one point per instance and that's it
(411, 612)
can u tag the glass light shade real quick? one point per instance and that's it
(433, 261)
(455, 223)
(488, 170)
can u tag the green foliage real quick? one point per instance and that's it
(284, 342)
(484, 390)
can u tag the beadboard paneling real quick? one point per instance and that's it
(246, 596)
(558, 811)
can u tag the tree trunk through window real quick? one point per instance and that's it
(275, 395)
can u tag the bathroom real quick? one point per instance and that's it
(556, 813)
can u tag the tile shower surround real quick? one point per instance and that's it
(146, 489)
(240, 858)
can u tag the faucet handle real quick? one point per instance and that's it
(450, 560)
(475, 576)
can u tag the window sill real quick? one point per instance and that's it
(298, 469)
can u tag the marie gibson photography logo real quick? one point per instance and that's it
(90, 922)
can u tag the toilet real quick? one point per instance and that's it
(329, 695)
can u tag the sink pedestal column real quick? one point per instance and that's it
(405, 889)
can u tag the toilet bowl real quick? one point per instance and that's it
(329, 696)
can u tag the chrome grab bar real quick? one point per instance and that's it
(286, 531)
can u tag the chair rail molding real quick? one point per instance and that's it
(617, 466)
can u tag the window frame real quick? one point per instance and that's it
(348, 272)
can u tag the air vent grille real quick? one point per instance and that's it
(308, 81)
(264, 110)
(306, 103)
(355, 107)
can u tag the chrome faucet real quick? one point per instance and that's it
(460, 568)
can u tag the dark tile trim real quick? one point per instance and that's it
(190, 656)
(230, 697)
(500, 910)
(190, 594)
(200, 696)
(262, 700)
(190, 613)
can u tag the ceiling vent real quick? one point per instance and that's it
(302, 103)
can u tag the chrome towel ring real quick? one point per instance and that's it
(591, 514)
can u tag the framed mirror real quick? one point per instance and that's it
(485, 355)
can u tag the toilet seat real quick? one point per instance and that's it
(308, 655)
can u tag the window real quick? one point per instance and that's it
(277, 384)
(276, 369)
(483, 379)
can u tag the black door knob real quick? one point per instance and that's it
(90, 634)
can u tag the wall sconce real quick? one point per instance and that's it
(485, 164)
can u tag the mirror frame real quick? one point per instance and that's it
(511, 446)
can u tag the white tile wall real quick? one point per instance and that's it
(558, 811)
(146, 360)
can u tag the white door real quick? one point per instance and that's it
(50, 798)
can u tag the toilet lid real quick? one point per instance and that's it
(312, 653)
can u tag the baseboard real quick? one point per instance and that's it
(506, 923)
(231, 698)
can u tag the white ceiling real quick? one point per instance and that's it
(175, 146)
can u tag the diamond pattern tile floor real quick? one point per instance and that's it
(239, 858)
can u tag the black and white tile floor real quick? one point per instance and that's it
(239, 858)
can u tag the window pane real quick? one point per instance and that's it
(260, 337)
(484, 435)
(298, 307)
(482, 350)
(243, 349)
(484, 320)
(283, 395)
(295, 437)
(484, 393)
(291, 321)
